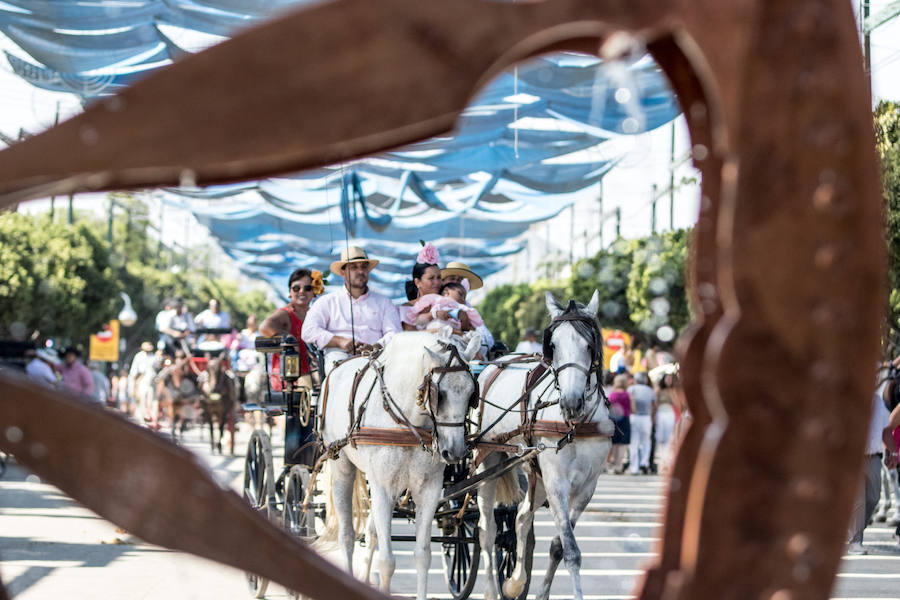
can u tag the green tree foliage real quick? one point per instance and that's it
(641, 285)
(55, 280)
(887, 143)
(63, 281)
(498, 311)
(608, 272)
(656, 293)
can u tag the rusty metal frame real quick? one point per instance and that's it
(787, 257)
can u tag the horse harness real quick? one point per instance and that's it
(530, 426)
(407, 434)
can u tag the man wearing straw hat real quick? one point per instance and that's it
(352, 319)
(460, 272)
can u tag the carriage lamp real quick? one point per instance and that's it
(290, 359)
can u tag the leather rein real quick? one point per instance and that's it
(407, 434)
(531, 426)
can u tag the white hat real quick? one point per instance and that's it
(48, 355)
(462, 270)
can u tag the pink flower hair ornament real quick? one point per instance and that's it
(428, 255)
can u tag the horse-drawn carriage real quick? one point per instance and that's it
(438, 449)
(193, 384)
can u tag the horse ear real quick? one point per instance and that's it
(472, 348)
(444, 334)
(594, 305)
(434, 356)
(553, 306)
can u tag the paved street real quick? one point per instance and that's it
(50, 547)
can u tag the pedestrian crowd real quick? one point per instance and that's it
(648, 409)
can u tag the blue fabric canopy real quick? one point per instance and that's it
(532, 142)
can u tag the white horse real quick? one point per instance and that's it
(566, 478)
(412, 363)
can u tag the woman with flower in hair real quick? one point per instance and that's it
(427, 280)
(303, 286)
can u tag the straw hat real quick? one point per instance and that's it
(462, 270)
(349, 255)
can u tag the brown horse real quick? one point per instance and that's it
(218, 400)
(177, 392)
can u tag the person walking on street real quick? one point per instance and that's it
(76, 376)
(620, 409)
(870, 489)
(643, 404)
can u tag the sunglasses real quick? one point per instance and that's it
(301, 288)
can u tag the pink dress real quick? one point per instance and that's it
(424, 311)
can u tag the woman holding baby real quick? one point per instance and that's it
(433, 304)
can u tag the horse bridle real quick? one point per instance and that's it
(588, 330)
(430, 392)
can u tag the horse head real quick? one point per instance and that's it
(573, 346)
(216, 380)
(452, 389)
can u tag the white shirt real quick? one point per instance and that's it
(210, 320)
(171, 319)
(527, 347)
(617, 361)
(39, 371)
(163, 317)
(487, 338)
(374, 319)
(879, 421)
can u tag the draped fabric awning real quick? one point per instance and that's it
(532, 142)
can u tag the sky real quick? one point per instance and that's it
(574, 233)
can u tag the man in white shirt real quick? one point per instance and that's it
(213, 317)
(41, 367)
(352, 319)
(529, 343)
(172, 325)
(141, 364)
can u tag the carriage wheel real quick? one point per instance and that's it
(298, 522)
(462, 555)
(259, 491)
(505, 549)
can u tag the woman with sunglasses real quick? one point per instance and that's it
(303, 286)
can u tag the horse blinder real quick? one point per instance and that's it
(547, 344)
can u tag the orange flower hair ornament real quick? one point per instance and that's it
(318, 284)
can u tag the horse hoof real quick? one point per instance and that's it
(512, 588)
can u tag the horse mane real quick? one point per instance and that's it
(405, 362)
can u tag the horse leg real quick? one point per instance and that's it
(426, 505)
(344, 476)
(512, 587)
(207, 415)
(221, 417)
(382, 511)
(563, 546)
(487, 526)
(371, 544)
